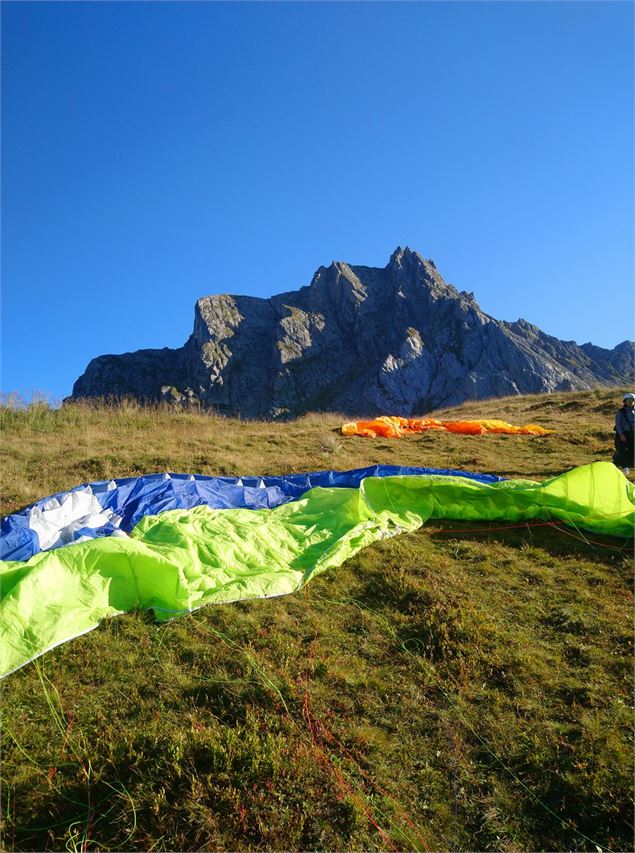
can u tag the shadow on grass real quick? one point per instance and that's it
(556, 539)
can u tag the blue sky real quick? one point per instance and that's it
(153, 153)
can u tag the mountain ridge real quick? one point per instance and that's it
(362, 340)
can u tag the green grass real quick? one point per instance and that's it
(464, 687)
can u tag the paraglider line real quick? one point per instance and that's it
(463, 717)
(315, 724)
(312, 724)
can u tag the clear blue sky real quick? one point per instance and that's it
(153, 153)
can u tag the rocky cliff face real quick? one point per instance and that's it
(359, 340)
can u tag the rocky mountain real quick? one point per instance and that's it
(359, 340)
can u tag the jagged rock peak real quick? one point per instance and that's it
(406, 262)
(407, 259)
(402, 256)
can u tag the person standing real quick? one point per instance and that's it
(625, 434)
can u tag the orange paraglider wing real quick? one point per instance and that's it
(394, 427)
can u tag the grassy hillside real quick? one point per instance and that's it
(465, 687)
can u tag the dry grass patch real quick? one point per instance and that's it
(79, 443)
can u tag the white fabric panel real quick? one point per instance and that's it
(56, 521)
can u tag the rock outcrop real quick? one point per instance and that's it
(359, 340)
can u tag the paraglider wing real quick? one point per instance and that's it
(184, 558)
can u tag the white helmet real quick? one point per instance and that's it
(629, 397)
